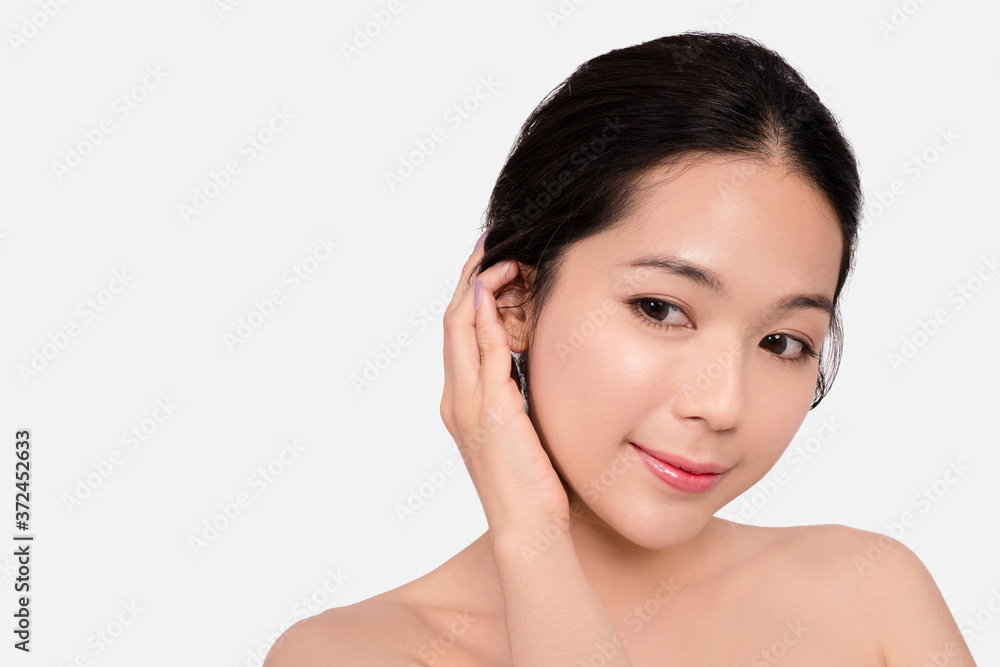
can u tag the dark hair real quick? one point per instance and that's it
(576, 164)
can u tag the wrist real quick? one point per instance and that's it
(527, 543)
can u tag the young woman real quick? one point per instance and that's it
(665, 251)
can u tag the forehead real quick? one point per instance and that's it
(753, 223)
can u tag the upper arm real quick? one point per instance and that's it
(915, 625)
(337, 637)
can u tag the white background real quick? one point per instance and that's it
(333, 507)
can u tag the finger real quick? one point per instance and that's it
(464, 282)
(461, 289)
(464, 358)
(496, 366)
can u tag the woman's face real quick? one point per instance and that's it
(701, 363)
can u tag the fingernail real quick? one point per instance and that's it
(482, 238)
(477, 293)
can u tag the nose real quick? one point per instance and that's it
(712, 388)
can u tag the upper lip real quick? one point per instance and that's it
(684, 463)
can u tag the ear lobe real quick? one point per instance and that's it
(512, 314)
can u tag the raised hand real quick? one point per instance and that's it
(483, 410)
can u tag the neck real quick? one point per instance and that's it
(624, 574)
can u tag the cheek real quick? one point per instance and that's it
(777, 403)
(591, 384)
(575, 385)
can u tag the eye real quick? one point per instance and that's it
(785, 348)
(779, 344)
(656, 312)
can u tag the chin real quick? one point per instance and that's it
(665, 533)
(646, 523)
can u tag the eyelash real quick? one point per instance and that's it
(807, 349)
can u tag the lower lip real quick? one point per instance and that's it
(675, 477)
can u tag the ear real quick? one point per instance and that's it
(512, 314)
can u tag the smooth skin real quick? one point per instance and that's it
(623, 569)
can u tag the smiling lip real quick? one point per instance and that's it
(679, 472)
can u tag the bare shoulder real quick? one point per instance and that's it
(914, 622)
(884, 581)
(373, 631)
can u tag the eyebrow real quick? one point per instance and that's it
(705, 278)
